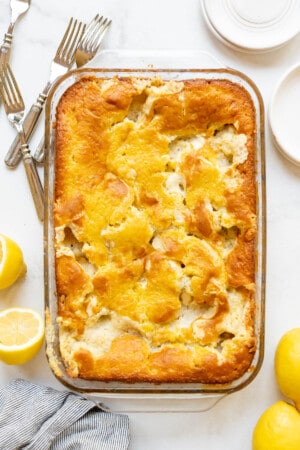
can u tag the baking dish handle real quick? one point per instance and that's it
(156, 59)
(151, 404)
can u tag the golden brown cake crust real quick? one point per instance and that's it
(155, 229)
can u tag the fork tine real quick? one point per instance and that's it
(9, 87)
(2, 83)
(90, 29)
(14, 88)
(69, 47)
(92, 38)
(99, 35)
(65, 36)
(69, 40)
(6, 88)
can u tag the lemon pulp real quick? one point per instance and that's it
(21, 334)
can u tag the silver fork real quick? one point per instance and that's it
(14, 108)
(92, 38)
(61, 63)
(86, 50)
(18, 8)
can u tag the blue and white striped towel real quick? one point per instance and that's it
(35, 417)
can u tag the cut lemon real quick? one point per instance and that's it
(12, 264)
(21, 335)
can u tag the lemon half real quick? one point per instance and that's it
(21, 334)
(12, 264)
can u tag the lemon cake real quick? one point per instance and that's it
(155, 229)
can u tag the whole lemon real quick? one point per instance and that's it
(287, 365)
(278, 428)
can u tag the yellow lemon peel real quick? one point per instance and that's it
(287, 365)
(12, 265)
(278, 428)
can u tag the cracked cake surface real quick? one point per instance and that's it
(155, 229)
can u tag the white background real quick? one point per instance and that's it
(158, 24)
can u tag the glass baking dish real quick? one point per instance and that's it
(119, 396)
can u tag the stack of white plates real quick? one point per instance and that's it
(253, 25)
(284, 115)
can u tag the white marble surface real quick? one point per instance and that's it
(158, 24)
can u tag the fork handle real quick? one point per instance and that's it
(5, 48)
(14, 155)
(40, 154)
(6, 45)
(34, 181)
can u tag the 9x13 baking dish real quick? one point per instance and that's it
(152, 388)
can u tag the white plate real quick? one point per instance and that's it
(284, 114)
(253, 25)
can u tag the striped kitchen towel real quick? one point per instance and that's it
(35, 417)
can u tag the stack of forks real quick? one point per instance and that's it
(79, 45)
